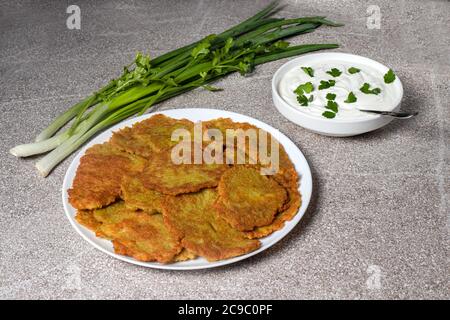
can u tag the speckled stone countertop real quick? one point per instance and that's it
(378, 223)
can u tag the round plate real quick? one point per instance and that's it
(194, 115)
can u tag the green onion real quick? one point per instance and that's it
(146, 82)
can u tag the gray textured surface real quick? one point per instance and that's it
(380, 199)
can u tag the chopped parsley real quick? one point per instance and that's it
(332, 105)
(351, 98)
(389, 77)
(334, 72)
(304, 88)
(301, 91)
(303, 100)
(366, 89)
(309, 71)
(304, 96)
(353, 70)
(329, 114)
(331, 96)
(326, 84)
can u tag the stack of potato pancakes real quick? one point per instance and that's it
(130, 191)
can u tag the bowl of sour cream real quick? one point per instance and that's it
(324, 93)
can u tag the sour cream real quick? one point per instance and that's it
(386, 100)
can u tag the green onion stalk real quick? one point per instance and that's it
(257, 40)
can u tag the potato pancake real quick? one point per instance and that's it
(150, 136)
(249, 199)
(137, 234)
(287, 214)
(162, 175)
(138, 197)
(193, 219)
(99, 176)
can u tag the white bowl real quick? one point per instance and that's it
(332, 127)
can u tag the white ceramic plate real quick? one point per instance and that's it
(196, 114)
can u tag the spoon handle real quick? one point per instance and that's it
(399, 115)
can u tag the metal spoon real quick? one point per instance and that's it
(397, 115)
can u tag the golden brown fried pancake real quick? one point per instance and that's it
(145, 238)
(249, 199)
(94, 219)
(86, 218)
(162, 175)
(287, 214)
(136, 196)
(185, 255)
(193, 219)
(252, 156)
(230, 139)
(137, 234)
(122, 249)
(113, 213)
(222, 124)
(98, 178)
(150, 136)
(287, 176)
